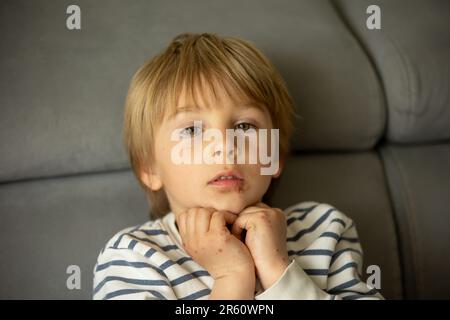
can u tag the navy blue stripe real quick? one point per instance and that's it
(303, 216)
(124, 263)
(116, 244)
(188, 277)
(339, 221)
(170, 247)
(316, 224)
(370, 292)
(154, 232)
(352, 240)
(197, 294)
(316, 272)
(150, 252)
(335, 236)
(329, 234)
(316, 252)
(346, 266)
(164, 248)
(338, 253)
(325, 272)
(169, 263)
(131, 291)
(141, 282)
(343, 286)
(308, 209)
(136, 228)
(142, 239)
(132, 244)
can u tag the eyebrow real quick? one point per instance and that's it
(191, 108)
(183, 109)
(187, 108)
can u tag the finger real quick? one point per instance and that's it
(262, 205)
(251, 209)
(242, 223)
(181, 222)
(190, 222)
(255, 208)
(219, 220)
(258, 205)
(203, 219)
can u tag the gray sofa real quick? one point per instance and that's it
(374, 138)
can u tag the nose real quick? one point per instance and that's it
(228, 147)
(225, 150)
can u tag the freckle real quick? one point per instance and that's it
(220, 250)
(195, 251)
(278, 250)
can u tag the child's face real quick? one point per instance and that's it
(190, 185)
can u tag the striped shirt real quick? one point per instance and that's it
(149, 262)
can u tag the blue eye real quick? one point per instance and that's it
(245, 126)
(190, 131)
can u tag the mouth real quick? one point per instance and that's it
(227, 180)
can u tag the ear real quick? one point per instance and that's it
(151, 179)
(280, 168)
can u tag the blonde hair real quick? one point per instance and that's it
(230, 62)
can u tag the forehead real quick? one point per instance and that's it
(207, 100)
(206, 92)
(197, 109)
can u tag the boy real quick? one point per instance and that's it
(216, 237)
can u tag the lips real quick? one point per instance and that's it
(227, 176)
(227, 180)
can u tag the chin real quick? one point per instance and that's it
(236, 207)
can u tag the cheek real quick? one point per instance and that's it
(259, 186)
(182, 174)
(184, 180)
(258, 180)
(264, 181)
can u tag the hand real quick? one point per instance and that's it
(206, 238)
(266, 239)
